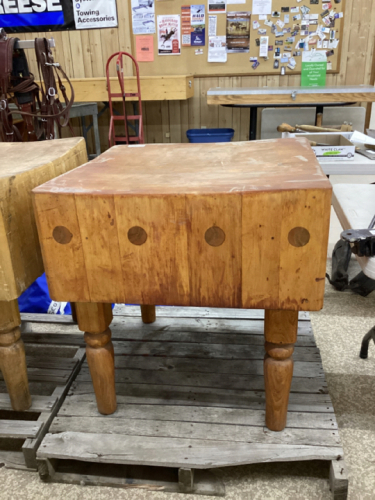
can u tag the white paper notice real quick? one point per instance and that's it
(262, 7)
(143, 17)
(217, 50)
(212, 25)
(95, 14)
(217, 6)
(263, 47)
(235, 1)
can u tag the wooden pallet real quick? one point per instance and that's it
(51, 371)
(190, 397)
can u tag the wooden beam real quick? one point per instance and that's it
(153, 88)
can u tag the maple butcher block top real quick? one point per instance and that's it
(242, 224)
(153, 169)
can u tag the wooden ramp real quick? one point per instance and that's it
(190, 398)
(51, 370)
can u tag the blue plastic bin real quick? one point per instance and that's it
(210, 134)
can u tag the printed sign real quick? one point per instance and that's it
(238, 32)
(314, 68)
(25, 16)
(169, 35)
(193, 25)
(91, 14)
(143, 16)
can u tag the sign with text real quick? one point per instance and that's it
(314, 68)
(23, 16)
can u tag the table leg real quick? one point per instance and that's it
(280, 330)
(94, 319)
(253, 123)
(12, 356)
(148, 313)
(74, 312)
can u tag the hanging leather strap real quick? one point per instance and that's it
(8, 132)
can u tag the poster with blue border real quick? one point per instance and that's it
(27, 16)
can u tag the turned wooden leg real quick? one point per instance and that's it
(280, 330)
(148, 313)
(12, 356)
(94, 319)
(74, 312)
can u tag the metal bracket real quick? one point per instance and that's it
(293, 95)
(362, 241)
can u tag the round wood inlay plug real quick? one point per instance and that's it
(62, 235)
(137, 235)
(214, 236)
(298, 236)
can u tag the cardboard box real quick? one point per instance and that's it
(338, 146)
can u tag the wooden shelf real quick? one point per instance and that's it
(153, 88)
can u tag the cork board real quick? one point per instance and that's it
(239, 64)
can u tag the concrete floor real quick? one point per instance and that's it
(338, 329)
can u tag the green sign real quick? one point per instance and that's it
(314, 69)
(313, 74)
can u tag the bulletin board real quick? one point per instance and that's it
(239, 64)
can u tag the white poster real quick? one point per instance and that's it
(169, 35)
(143, 17)
(262, 7)
(217, 6)
(212, 25)
(89, 14)
(217, 49)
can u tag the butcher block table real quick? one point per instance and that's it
(242, 225)
(23, 167)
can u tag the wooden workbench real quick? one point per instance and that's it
(23, 167)
(269, 97)
(241, 225)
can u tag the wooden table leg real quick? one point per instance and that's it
(12, 356)
(94, 319)
(280, 330)
(74, 312)
(148, 313)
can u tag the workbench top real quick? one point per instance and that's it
(178, 169)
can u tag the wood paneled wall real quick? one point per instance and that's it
(84, 54)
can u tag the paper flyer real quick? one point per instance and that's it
(193, 25)
(169, 32)
(217, 52)
(217, 6)
(144, 46)
(238, 32)
(261, 7)
(143, 17)
(212, 25)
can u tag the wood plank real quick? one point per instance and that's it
(153, 88)
(316, 385)
(198, 431)
(50, 214)
(12, 460)
(214, 269)
(196, 453)
(162, 259)
(229, 416)
(212, 351)
(191, 396)
(171, 364)
(38, 403)
(286, 98)
(59, 377)
(98, 227)
(19, 429)
(146, 479)
(163, 331)
(199, 312)
(53, 363)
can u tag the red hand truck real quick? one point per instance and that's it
(137, 118)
